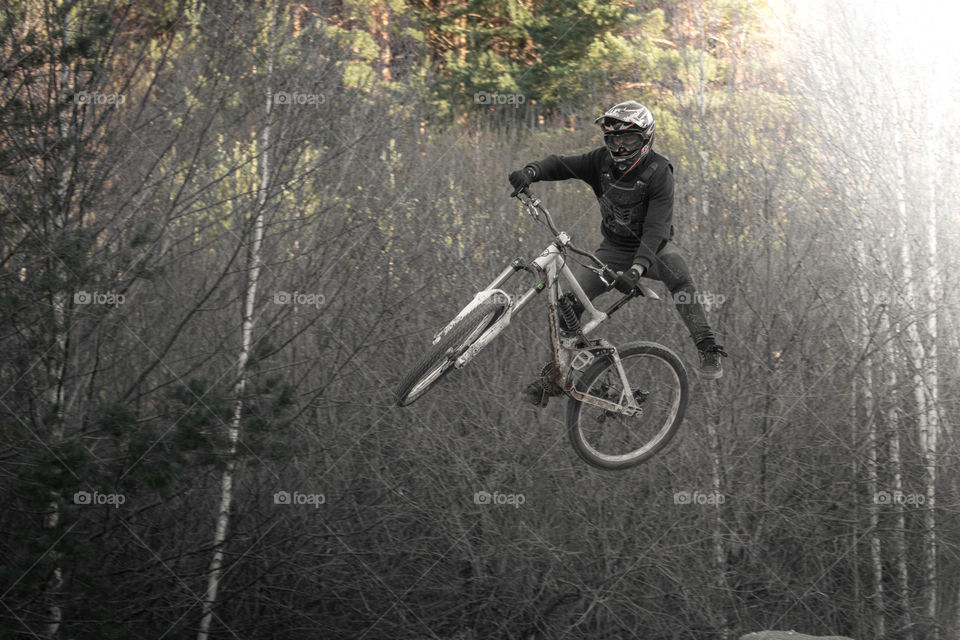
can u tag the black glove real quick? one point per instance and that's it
(520, 180)
(627, 281)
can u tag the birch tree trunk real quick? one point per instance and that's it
(896, 470)
(717, 485)
(253, 277)
(55, 392)
(702, 112)
(930, 384)
(918, 360)
(869, 411)
(856, 534)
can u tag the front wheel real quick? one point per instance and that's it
(659, 385)
(441, 357)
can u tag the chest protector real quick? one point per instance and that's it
(624, 202)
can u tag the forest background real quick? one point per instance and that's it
(228, 230)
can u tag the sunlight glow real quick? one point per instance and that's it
(913, 48)
(924, 37)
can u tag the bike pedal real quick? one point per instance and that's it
(581, 361)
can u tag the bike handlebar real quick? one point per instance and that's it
(535, 208)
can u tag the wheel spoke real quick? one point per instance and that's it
(611, 439)
(443, 355)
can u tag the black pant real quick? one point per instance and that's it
(669, 268)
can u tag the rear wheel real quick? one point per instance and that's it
(440, 359)
(610, 440)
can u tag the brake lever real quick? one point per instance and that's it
(530, 202)
(607, 276)
(523, 192)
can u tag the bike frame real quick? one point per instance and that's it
(551, 266)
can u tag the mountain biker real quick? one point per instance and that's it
(634, 186)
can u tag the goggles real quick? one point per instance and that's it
(626, 139)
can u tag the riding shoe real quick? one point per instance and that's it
(711, 367)
(539, 391)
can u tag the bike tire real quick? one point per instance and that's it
(440, 359)
(662, 430)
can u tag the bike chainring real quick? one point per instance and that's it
(550, 380)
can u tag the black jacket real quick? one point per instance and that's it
(652, 223)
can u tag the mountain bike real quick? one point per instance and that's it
(625, 404)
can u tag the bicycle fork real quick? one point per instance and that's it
(511, 305)
(491, 291)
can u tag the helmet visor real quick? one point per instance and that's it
(608, 123)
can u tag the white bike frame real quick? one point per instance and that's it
(551, 264)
